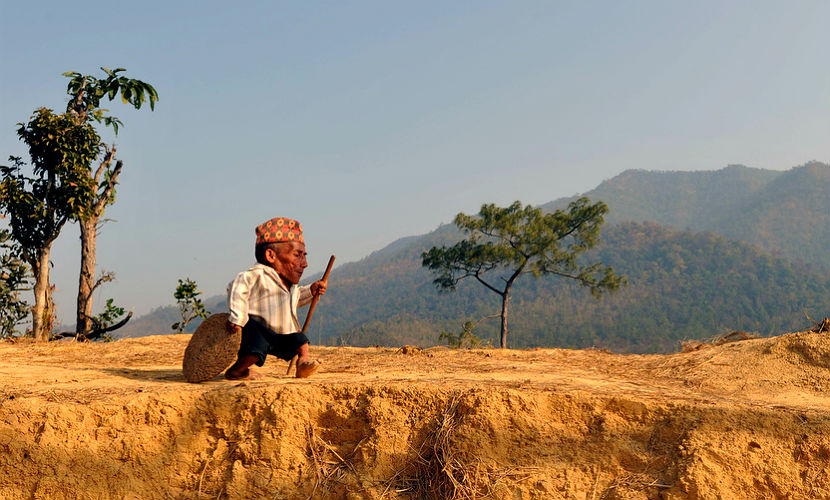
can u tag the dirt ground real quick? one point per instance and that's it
(743, 420)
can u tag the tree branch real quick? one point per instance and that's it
(585, 281)
(101, 203)
(488, 285)
(95, 333)
(106, 277)
(509, 281)
(105, 163)
(77, 106)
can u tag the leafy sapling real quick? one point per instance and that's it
(190, 305)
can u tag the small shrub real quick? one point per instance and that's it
(14, 278)
(466, 338)
(190, 305)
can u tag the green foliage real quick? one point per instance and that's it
(516, 240)
(57, 189)
(39, 204)
(464, 338)
(190, 305)
(87, 92)
(109, 315)
(14, 278)
(524, 241)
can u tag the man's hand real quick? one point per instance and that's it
(232, 329)
(318, 288)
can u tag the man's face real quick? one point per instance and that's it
(289, 260)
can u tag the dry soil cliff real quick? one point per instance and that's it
(743, 420)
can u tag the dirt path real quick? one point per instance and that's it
(749, 419)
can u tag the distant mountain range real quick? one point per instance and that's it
(781, 212)
(704, 252)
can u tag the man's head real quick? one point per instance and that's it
(280, 245)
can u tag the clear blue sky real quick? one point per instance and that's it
(370, 121)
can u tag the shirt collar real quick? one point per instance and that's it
(273, 275)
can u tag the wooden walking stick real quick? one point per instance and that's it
(314, 300)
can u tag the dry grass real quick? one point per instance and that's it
(439, 471)
(626, 483)
(331, 469)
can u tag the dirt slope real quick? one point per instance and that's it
(744, 420)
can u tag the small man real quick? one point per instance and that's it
(263, 301)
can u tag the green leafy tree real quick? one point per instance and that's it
(86, 93)
(40, 200)
(14, 278)
(506, 243)
(62, 184)
(190, 305)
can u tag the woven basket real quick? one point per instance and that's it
(211, 349)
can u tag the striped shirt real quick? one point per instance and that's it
(260, 292)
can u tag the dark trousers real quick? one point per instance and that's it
(260, 340)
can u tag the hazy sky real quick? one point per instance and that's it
(370, 121)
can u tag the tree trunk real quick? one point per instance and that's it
(505, 298)
(42, 311)
(86, 279)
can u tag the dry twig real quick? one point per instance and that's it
(822, 326)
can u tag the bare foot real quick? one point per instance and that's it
(307, 369)
(246, 375)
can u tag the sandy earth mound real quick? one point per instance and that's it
(743, 420)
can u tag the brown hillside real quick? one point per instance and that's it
(743, 420)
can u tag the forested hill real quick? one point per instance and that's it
(683, 283)
(786, 212)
